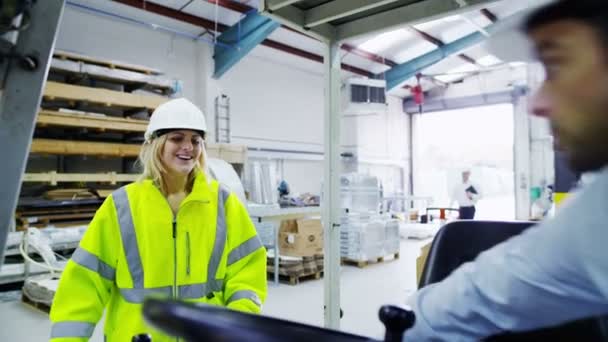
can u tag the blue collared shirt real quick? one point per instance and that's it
(552, 273)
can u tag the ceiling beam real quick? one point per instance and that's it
(242, 8)
(274, 5)
(314, 57)
(488, 14)
(240, 39)
(439, 43)
(172, 13)
(186, 5)
(233, 5)
(415, 13)
(368, 55)
(294, 17)
(210, 25)
(468, 59)
(404, 71)
(339, 9)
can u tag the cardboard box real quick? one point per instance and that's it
(421, 260)
(302, 237)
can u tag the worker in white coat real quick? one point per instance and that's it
(466, 194)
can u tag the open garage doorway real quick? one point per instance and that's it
(478, 138)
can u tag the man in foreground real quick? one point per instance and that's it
(558, 271)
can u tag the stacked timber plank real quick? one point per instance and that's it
(42, 213)
(95, 96)
(92, 110)
(73, 63)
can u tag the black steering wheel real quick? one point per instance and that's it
(200, 322)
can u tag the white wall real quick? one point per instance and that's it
(381, 143)
(277, 99)
(277, 103)
(273, 105)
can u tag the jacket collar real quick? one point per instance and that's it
(201, 190)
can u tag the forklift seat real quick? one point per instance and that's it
(459, 242)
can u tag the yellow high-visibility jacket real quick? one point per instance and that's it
(208, 253)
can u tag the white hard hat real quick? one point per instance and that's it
(176, 114)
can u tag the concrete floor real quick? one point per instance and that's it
(363, 291)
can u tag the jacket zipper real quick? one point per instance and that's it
(175, 294)
(174, 258)
(187, 253)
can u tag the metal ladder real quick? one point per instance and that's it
(222, 119)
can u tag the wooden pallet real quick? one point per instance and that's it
(54, 178)
(36, 305)
(64, 55)
(70, 147)
(98, 122)
(295, 279)
(365, 263)
(105, 97)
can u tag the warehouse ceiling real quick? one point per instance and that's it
(402, 30)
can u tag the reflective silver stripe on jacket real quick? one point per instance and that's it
(192, 291)
(245, 294)
(220, 234)
(196, 291)
(244, 249)
(72, 329)
(138, 293)
(90, 261)
(129, 239)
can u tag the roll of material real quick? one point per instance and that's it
(225, 174)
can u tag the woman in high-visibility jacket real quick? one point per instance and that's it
(176, 232)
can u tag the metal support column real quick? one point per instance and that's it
(522, 158)
(410, 148)
(331, 186)
(22, 85)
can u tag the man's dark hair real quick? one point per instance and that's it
(591, 12)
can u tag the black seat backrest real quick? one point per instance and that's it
(459, 242)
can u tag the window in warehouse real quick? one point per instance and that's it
(479, 138)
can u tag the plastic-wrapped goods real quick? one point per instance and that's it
(366, 237)
(362, 237)
(359, 193)
(392, 244)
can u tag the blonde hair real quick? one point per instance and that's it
(150, 161)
